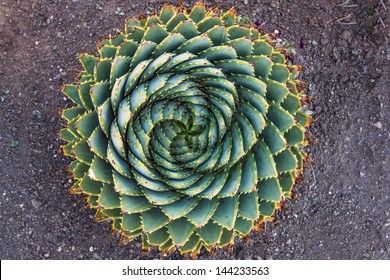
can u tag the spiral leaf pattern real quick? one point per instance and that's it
(187, 129)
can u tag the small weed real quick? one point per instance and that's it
(14, 143)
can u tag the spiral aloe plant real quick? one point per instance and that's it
(187, 129)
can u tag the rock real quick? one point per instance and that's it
(346, 36)
(35, 203)
(37, 114)
(378, 125)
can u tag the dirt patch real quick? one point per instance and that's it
(342, 210)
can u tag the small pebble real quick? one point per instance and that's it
(378, 125)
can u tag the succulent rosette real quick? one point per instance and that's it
(187, 129)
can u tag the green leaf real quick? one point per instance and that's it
(84, 93)
(187, 28)
(286, 181)
(207, 23)
(273, 138)
(238, 145)
(90, 187)
(153, 219)
(135, 33)
(167, 12)
(100, 92)
(133, 79)
(249, 174)
(218, 53)
(169, 44)
(215, 186)
(80, 170)
(243, 226)
(175, 20)
(229, 18)
(107, 51)
(266, 208)
(87, 123)
(120, 66)
(303, 119)
(198, 12)
(191, 244)
(203, 211)
(195, 45)
(280, 117)
(218, 35)
(109, 199)
(227, 238)
(117, 162)
(180, 230)
(105, 116)
(150, 71)
(238, 32)
(295, 135)
(233, 181)
(248, 82)
(248, 206)
(278, 58)
(98, 143)
(243, 46)
(226, 212)
(14, 143)
(276, 91)
(72, 92)
(167, 246)
(88, 62)
(82, 152)
(117, 140)
(249, 134)
(179, 208)
(134, 204)
(261, 47)
(126, 185)
(131, 222)
(279, 73)
(92, 201)
(256, 121)
(262, 65)
(286, 161)
(159, 237)
(253, 98)
(102, 70)
(73, 112)
(161, 197)
(155, 33)
(291, 103)
(269, 189)
(235, 66)
(211, 233)
(118, 39)
(127, 48)
(200, 185)
(266, 167)
(143, 53)
(100, 170)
